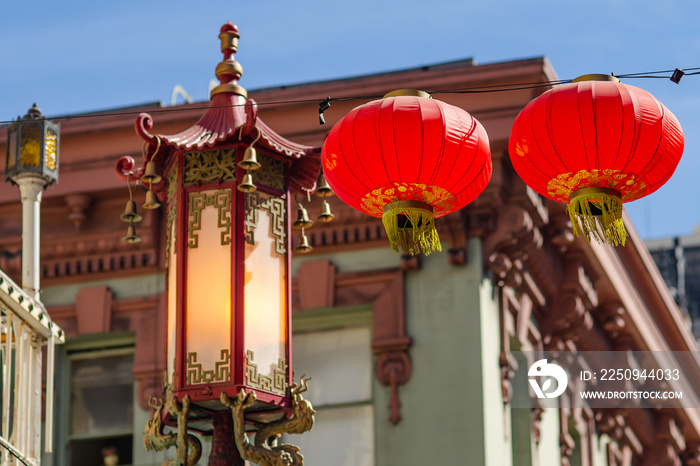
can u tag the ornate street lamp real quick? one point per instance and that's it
(32, 164)
(226, 185)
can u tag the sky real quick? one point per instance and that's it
(79, 56)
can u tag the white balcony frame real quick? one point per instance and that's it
(25, 327)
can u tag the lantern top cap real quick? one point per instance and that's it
(229, 28)
(407, 92)
(229, 71)
(596, 77)
(33, 113)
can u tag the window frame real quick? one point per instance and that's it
(92, 346)
(328, 319)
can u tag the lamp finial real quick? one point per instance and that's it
(229, 71)
(33, 113)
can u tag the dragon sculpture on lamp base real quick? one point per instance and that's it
(263, 451)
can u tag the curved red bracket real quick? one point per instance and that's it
(125, 167)
(143, 125)
(251, 113)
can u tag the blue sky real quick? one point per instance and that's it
(77, 56)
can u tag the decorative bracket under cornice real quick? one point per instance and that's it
(390, 343)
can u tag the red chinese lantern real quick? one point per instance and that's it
(593, 145)
(408, 159)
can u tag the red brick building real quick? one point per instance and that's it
(413, 358)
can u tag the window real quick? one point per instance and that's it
(100, 406)
(340, 362)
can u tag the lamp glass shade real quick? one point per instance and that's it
(32, 148)
(208, 287)
(51, 149)
(265, 283)
(171, 323)
(227, 324)
(11, 148)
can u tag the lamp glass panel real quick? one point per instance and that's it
(51, 150)
(265, 286)
(30, 149)
(11, 148)
(208, 287)
(172, 304)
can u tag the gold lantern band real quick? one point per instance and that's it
(411, 225)
(407, 92)
(597, 213)
(596, 77)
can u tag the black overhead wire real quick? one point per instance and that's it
(648, 74)
(324, 104)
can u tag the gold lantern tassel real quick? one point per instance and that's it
(597, 213)
(410, 224)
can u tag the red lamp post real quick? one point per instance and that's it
(225, 186)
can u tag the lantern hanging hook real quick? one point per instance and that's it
(145, 145)
(324, 105)
(677, 75)
(308, 197)
(128, 185)
(240, 135)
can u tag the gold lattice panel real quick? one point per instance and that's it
(172, 183)
(270, 173)
(170, 242)
(209, 166)
(198, 201)
(196, 374)
(277, 208)
(277, 383)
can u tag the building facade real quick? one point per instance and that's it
(415, 360)
(678, 260)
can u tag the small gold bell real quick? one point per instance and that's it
(250, 159)
(151, 200)
(131, 213)
(150, 175)
(322, 188)
(326, 214)
(303, 247)
(302, 220)
(247, 185)
(131, 236)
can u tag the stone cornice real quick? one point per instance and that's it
(589, 298)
